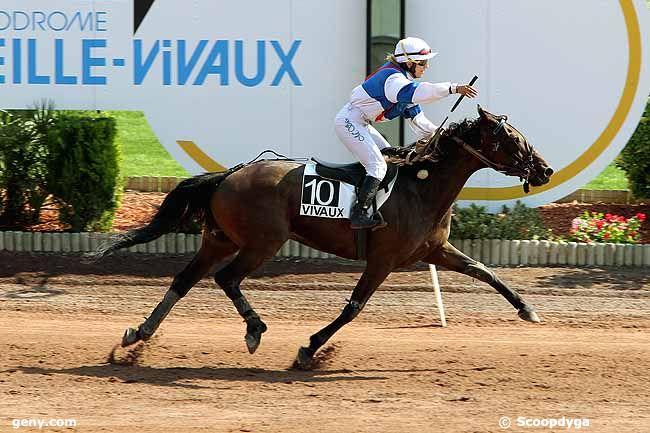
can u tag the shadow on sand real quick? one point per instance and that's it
(176, 376)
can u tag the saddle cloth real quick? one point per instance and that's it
(325, 195)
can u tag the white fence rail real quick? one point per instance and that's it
(488, 251)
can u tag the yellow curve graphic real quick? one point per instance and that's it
(200, 157)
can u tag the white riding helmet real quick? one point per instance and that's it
(412, 49)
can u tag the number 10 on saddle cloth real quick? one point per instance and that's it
(330, 198)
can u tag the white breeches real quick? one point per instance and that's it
(364, 141)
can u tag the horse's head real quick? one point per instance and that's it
(506, 150)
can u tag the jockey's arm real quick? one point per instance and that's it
(399, 89)
(423, 127)
(429, 92)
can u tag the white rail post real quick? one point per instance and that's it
(436, 289)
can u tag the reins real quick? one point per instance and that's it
(280, 157)
(502, 168)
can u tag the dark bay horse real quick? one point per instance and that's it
(251, 210)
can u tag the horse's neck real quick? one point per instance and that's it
(448, 179)
(451, 184)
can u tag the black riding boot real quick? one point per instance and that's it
(359, 218)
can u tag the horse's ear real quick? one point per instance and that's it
(481, 112)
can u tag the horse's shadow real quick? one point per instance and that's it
(619, 279)
(176, 376)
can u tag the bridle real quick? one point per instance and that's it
(522, 167)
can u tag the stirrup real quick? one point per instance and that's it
(363, 222)
(372, 222)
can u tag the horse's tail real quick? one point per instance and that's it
(190, 199)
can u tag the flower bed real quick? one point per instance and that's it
(599, 227)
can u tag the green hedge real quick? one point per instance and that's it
(23, 154)
(635, 158)
(83, 171)
(520, 222)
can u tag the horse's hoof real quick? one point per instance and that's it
(254, 335)
(304, 359)
(253, 342)
(130, 336)
(528, 314)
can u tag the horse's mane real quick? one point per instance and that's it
(445, 147)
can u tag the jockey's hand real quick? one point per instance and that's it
(468, 91)
(421, 144)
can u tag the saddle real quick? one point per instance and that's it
(353, 173)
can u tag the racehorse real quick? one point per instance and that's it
(251, 210)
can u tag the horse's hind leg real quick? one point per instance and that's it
(213, 250)
(449, 257)
(230, 278)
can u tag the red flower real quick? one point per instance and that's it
(606, 237)
(640, 216)
(609, 216)
(600, 224)
(621, 219)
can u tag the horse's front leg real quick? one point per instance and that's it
(449, 257)
(370, 280)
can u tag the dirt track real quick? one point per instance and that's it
(393, 369)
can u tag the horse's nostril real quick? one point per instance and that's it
(548, 172)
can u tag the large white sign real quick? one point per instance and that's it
(221, 81)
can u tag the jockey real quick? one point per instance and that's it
(388, 93)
